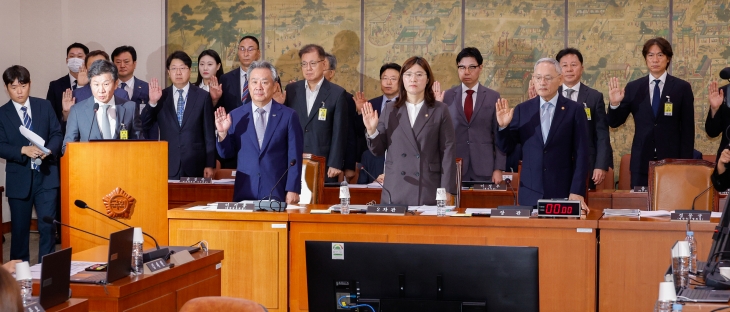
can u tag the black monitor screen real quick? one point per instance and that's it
(421, 275)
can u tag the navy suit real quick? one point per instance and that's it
(140, 95)
(260, 168)
(554, 168)
(190, 147)
(718, 124)
(657, 137)
(373, 164)
(231, 97)
(55, 95)
(26, 187)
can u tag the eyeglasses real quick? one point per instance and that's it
(249, 49)
(176, 69)
(418, 75)
(547, 79)
(470, 67)
(311, 64)
(391, 79)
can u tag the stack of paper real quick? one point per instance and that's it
(621, 212)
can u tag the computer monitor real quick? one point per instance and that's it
(419, 277)
(719, 255)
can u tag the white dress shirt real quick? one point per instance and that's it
(554, 101)
(73, 79)
(312, 95)
(18, 106)
(413, 110)
(464, 88)
(575, 88)
(663, 79)
(176, 94)
(112, 113)
(130, 87)
(206, 87)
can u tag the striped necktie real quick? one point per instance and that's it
(180, 107)
(244, 92)
(28, 124)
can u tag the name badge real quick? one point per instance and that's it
(588, 111)
(124, 135)
(322, 114)
(668, 108)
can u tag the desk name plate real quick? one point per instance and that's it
(155, 266)
(235, 206)
(690, 215)
(511, 212)
(34, 306)
(196, 180)
(391, 210)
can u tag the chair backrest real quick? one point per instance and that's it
(674, 183)
(224, 174)
(710, 158)
(608, 183)
(457, 199)
(624, 173)
(312, 179)
(221, 304)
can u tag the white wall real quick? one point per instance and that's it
(36, 33)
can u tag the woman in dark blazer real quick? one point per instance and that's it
(418, 136)
(721, 176)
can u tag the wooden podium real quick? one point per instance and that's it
(118, 171)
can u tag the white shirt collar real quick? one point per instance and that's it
(316, 88)
(554, 100)
(72, 79)
(130, 82)
(112, 102)
(663, 78)
(18, 106)
(475, 88)
(266, 107)
(416, 104)
(576, 87)
(185, 89)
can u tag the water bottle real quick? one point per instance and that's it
(692, 252)
(663, 306)
(137, 242)
(25, 281)
(344, 200)
(440, 202)
(680, 264)
(677, 307)
(667, 297)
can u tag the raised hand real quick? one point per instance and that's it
(83, 76)
(359, 101)
(715, 97)
(222, 122)
(67, 100)
(215, 89)
(279, 95)
(531, 92)
(504, 113)
(615, 93)
(155, 91)
(437, 91)
(369, 118)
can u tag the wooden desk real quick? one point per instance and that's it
(164, 291)
(563, 287)
(256, 246)
(599, 199)
(358, 196)
(180, 194)
(71, 305)
(635, 254)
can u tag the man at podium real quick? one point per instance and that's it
(266, 138)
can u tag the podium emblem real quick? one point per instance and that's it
(119, 204)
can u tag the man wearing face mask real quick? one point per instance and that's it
(85, 123)
(75, 56)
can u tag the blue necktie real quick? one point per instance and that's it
(545, 120)
(180, 107)
(28, 124)
(656, 97)
(244, 92)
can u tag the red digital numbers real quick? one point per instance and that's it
(558, 209)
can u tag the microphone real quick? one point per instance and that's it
(694, 201)
(96, 108)
(390, 198)
(51, 220)
(508, 181)
(725, 73)
(146, 257)
(267, 205)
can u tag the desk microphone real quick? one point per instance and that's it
(148, 256)
(51, 220)
(267, 205)
(390, 199)
(694, 201)
(508, 181)
(96, 108)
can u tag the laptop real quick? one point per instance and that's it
(54, 283)
(703, 295)
(119, 261)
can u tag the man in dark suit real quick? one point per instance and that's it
(75, 56)
(264, 136)
(389, 75)
(599, 144)
(718, 116)
(184, 113)
(32, 177)
(553, 134)
(356, 143)
(663, 110)
(125, 58)
(113, 113)
(83, 92)
(472, 110)
(322, 109)
(235, 82)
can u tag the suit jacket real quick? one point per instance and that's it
(322, 137)
(190, 147)
(600, 153)
(356, 143)
(421, 158)
(671, 136)
(260, 168)
(55, 96)
(84, 93)
(475, 139)
(140, 95)
(18, 174)
(719, 124)
(231, 97)
(82, 125)
(557, 167)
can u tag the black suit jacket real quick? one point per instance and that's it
(231, 97)
(322, 137)
(191, 147)
(671, 136)
(55, 96)
(18, 178)
(718, 125)
(600, 153)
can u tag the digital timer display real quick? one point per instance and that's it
(558, 208)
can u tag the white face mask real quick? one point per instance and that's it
(74, 64)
